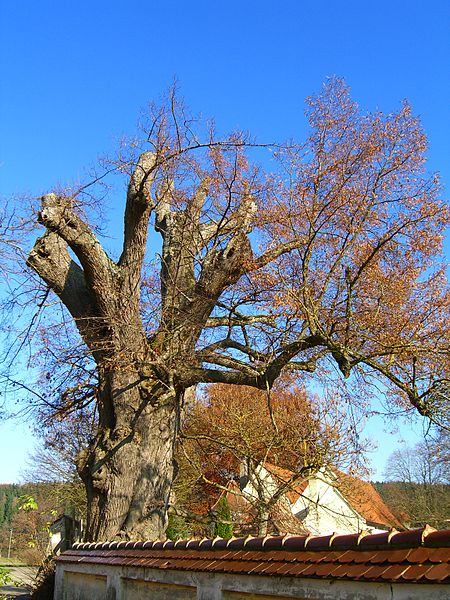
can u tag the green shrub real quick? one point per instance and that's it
(5, 577)
(177, 528)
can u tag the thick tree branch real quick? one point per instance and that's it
(58, 216)
(239, 220)
(181, 244)
(184, 238)
(137, 212)
(228, 344)
(195, 375)
(228, 362)
(240, 320)
(258, 376)
(290, 351)
(274, 253)
(51, 260)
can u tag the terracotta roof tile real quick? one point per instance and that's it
(348, 556)
(286, 556)
(419, 555)
(296, 569)
(438, 572)
(362, 557)
(399, 556)
(285, 569)
(339, 571)
(258, 568)
(372, 572)
(273, 568)
(415, 556)
(394, 572)
(413, 572)
(352, 571)
(379, 557)
(323, 570)
(437, 555)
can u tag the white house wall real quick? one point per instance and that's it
(324, 510)
(265, 481)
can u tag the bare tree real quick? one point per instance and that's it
(325, 262)
(418, 482)
(54, 459)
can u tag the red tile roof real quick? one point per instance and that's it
(361, 495)
(420, 555)
(365, 499)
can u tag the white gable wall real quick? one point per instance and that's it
(324, 510)
(263, 487)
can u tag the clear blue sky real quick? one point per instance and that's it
(75, 75)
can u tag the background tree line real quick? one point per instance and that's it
(31, 508)
(417, 482)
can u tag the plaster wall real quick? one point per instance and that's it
(107, 582)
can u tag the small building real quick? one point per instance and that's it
(327, 502)
(64, 532)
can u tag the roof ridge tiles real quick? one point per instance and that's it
(322, 541)
(420, 555)
(392, 539)
(438, 539)
(411, 537)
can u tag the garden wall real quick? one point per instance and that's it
(388, 566)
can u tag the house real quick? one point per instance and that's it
(327, 502)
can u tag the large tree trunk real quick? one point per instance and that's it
(129, 468)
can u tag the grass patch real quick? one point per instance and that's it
(11, 562)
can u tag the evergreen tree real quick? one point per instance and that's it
(8, 508)
(8, 493)
(223, 527)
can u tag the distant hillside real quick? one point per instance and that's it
(26, 512)
(417, 504)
